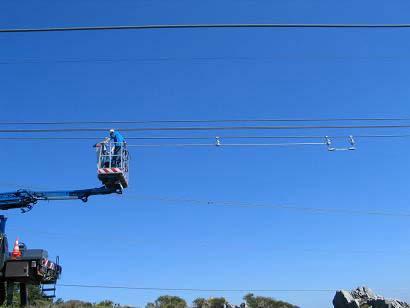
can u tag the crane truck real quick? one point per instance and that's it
(32, 266)
(25, 267)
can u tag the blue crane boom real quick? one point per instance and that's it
(112, 170)
(26, 199)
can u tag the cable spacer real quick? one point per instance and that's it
(328, 143)
(352, 143)
(351, 147)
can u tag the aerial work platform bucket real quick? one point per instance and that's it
(112, 166)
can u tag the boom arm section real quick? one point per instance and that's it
(26, 199)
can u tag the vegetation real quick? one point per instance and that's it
(251, 301)
(36, 300)
(213, 302)
(200, 303)
(167, 301)
(80, 304)
(217, 302)
(265, 302)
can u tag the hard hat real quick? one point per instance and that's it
(112, 131)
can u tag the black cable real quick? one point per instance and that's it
(204, 121)
(215, 203)
(204, 128)
(101, 286)
(327, 210)
(191, 289)
(192, 59)
(222, 137)
(203, 26)
(226, 144)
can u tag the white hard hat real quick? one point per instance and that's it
(111, 130)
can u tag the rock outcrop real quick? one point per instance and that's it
(363, 297)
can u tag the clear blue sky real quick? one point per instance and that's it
(127, 240)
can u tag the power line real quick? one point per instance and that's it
(219, 143)
(51, 138)
(326, 210)
(276, 206)
(192, 59)
(17, 138)
(204, 128)
(226, 144)
(104, 286)
(205, 26)
(203, 121)
(191, 289)
(259, 205)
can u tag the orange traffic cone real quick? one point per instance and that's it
(16, 250)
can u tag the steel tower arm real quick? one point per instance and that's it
(26, 199)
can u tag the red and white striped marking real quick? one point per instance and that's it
(47, 263)
(109, 170)
(44, 262)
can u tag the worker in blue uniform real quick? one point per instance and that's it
(119, 143)
(116, 137)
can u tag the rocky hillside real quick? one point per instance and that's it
(363, 297)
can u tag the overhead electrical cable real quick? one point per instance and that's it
(208, 26)
(191, 289)
(18, 138)
(327, 210)
(384, 119)
(248, 290)
(109, 60)
(226, 144)
(203, 128)
(216, 203)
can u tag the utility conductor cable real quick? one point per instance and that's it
(247, 290)
(275, 57)
(204, 128)
(208, 26)
(225, 144)
(191, 289)
(202, 121)
(216, 203)
(316, 210)
(18, 138)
